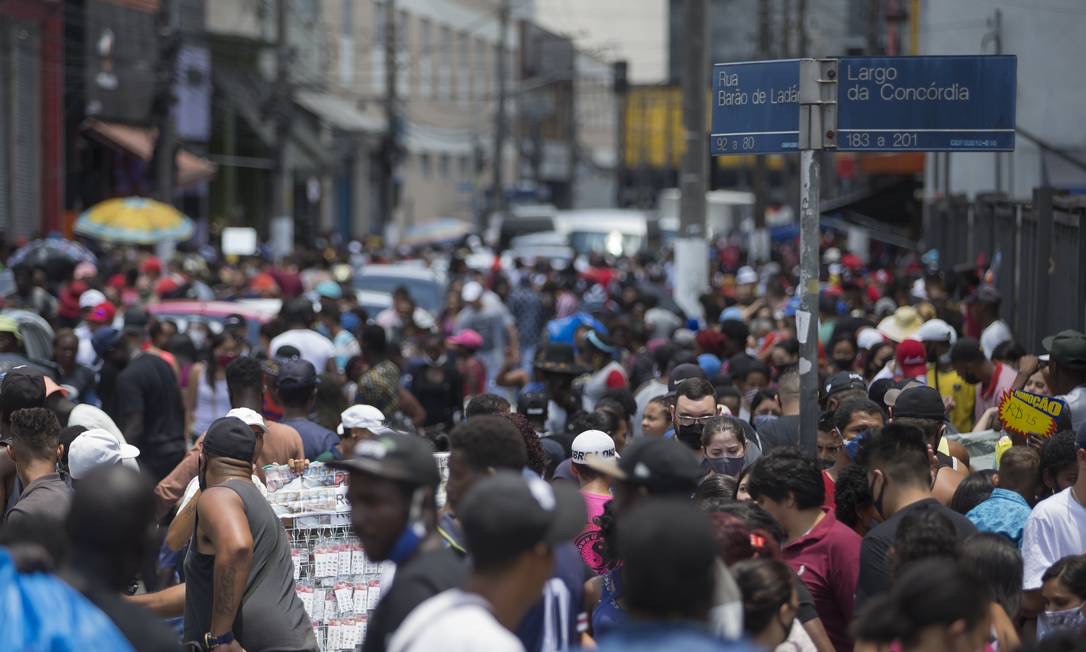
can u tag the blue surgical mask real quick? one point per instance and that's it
(723, 465)
(764, 419)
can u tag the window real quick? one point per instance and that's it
(425, 77)
(346, 43)
(425, 166)
(443, 166)
(464, 70)
(444, 54)
(462, 163)
(482, 71)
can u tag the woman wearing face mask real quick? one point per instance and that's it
(764, 407)
(724, 447)
(769, 600)
(1064, 590)
(842, 351)
(206, 398)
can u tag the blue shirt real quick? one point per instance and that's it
(562, 604)
(1005, 512)
(315, 438)
(652, 635)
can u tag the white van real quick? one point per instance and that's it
(615, 231)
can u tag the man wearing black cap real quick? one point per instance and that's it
(1065, 373)
(511, 523)
(842, 386)
(923, 408)
(296, 390)
(391, 489)
(557, 367)
(239, 589)
(648, 467)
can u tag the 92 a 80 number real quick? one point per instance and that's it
(903, 139)
(743, 144)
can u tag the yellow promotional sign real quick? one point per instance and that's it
(1028, 414)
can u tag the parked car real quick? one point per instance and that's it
(212, 313)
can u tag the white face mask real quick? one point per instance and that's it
(1057, 621)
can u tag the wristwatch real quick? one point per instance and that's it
(212, 642)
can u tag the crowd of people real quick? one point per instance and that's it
(621, 476)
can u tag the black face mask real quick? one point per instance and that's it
(689, 435)
(723, 465)
(826, 464)
(970, 378)
(843, 364)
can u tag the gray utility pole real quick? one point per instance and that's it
(389, 152)
(691, 249)
(817, 117)
(759, 182)
(283, 192)
(497, 190)
(166, 145)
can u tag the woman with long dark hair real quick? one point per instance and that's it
(206, 398)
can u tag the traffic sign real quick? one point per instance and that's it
(755, 107)
(930, 103)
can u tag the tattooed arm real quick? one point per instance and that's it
(223, 521)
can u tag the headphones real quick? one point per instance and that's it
(413, 534)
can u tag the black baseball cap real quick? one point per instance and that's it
(844, 380)
(681, 373)
(662, 466)
(533, 404)
(230, 437)
(507, 513)
(1067, 349)
(296, 374)
(21, 388)
(984, 294)
(135, 320)
(234, 320)
(396, 456)
(920, 403)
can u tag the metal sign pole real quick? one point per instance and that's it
(817, 93)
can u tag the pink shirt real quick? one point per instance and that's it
(591, 533)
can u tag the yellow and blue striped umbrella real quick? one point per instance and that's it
(134, 220)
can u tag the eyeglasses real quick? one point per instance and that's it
(693, 421)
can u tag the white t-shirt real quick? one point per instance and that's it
(1056, 528)
(1076, 401)
(995, 334)
(453, 621)
(314, 347)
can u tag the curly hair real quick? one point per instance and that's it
(852, 494)
(537, 459)
(606, 546)
(489, 441)
(35, 433)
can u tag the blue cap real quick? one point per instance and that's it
(349, 321)
(329, 290)
(709, 363)
(105, 339)
(731, 312)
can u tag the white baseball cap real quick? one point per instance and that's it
(472, 291)
(95, 448)
(595, 443)
(746, 276)
(90, 299)
(868, 337)
(362, 416)
(250, 417)
(936, 330)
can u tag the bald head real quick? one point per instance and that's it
(111, 511)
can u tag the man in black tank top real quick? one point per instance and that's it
(239, 591)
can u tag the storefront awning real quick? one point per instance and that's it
(140, 142)
(340, 113)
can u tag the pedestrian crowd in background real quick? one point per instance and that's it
(621, 475)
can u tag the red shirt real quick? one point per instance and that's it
(830, 501)
(827, 559)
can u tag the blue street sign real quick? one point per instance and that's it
(755, 107)
(933, 103)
